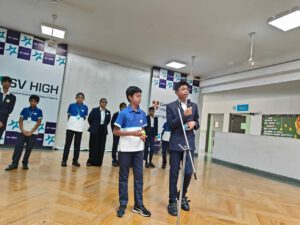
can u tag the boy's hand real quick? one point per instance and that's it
(191, 125)
(1, 124)
(138, 133)
(143, 138)
(188, 111)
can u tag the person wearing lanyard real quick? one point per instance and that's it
(7, 103)
(77, 113)
(165, 138)
(30, 120)
(98, 119)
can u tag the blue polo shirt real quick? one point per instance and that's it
(78, 109)
(30, 117)
(131, 120)
(77, 113)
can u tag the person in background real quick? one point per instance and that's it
(116, 138)
(98, 119)
(77, 113)
(30, 119)
(165, 138)
(151, 132)
(7, 103)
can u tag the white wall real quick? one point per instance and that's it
(281, 98)
(97, 79)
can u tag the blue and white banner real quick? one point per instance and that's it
(163, 91)
(37, 69)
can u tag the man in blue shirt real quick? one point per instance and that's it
(130, 127)
(30, 120)
(77, 113)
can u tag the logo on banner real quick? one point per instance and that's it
(41, 128)
(2, 36)
(26, 41)
(14, 124)
(11, 49)
(61, 60)
(50, 139)
(37, 55)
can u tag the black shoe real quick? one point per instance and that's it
(172, 208)
(185, 202)
(77, 164)
(147, 165)
(115, 164)
(163, 166)
(25, 167)
(151, 165)
(89, 164)
(11, 167)
(63, 164)
(141, 210)
(121, 211)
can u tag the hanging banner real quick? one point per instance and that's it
(35, 68)
(163, 92)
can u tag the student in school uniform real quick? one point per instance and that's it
(30, 120)
(115, 162)
(130, 127)
(165, 138)
(7, 102)
(77, 113)
(151, 132)
(98, 119)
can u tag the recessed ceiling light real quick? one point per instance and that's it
(175, 64)
(46, 30)
(287, 20)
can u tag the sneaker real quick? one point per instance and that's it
(77, 164)
(121, 211)
(25, 167)
(151, 165)
(63, 163)
(11, 167)
(141, 210)
(115, 164)
(172, 208)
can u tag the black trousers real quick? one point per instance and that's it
(30, 141)
(69, 138)
(165, 148)
(176, 158)
(97, 147)
(116, 140)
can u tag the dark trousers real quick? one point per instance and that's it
(30, 141)
(149, 143)
(175, 161)
(69, 138)
(165, 148)
(125, 160)
(116, 140)
(97, 147)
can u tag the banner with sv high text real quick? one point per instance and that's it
(35, 68)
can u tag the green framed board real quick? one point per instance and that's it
(281, 125)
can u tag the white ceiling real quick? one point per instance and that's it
(151, 32)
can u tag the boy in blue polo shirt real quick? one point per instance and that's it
(77, 113)
(30, 120)
(130, 127)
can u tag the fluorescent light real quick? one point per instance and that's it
(53, 31)
(59, 33)
(175, 65)
(46, 30)
(287, 20)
